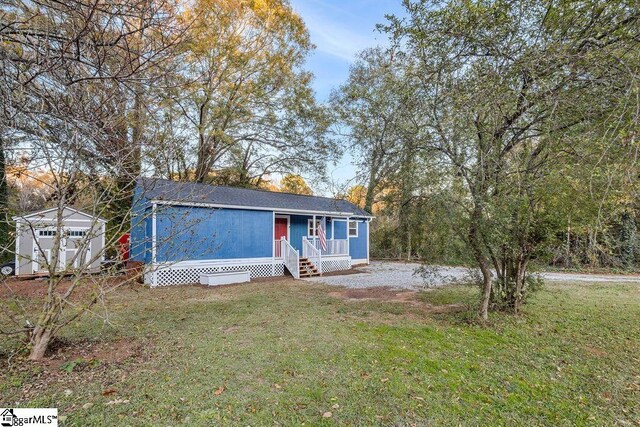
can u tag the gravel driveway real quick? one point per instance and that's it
(399, 275)
(395, 275)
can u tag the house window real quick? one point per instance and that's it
(77, 233)
(311, 231)
(46, 233)
(353, 228)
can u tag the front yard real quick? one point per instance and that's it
(288, 353)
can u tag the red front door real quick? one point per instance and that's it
(281, 229)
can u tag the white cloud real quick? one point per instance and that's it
(338, 41)
(333, 31)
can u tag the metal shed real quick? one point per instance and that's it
(81, 241)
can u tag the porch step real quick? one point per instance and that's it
(307, 269)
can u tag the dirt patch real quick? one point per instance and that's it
(88, 352)
(37, 287)
(379, 294)
(395, 296)
(73, 364)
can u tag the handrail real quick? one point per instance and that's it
(314, 254)
(334, 246)
(291, 258)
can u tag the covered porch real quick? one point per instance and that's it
(298, 243)
(303, 233)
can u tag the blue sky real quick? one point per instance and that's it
(340, 29)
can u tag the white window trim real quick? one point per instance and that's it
(288, 218)
(349, 228)
(309, 225)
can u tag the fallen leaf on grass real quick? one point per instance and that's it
(109, 391)
(327, 415)
(219, 391)
(277, 386)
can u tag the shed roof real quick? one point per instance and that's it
(191, 192)
(40, 214)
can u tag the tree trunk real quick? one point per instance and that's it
(519, 291)
(4, 205)
(371, 187)
(201, 162)
(40, 342)
(486, 292)
(476, 247)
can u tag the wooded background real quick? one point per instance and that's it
(495, 134)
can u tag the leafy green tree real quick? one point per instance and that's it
(372, 108)
(504, 97)
(295, 184)
(244, 96)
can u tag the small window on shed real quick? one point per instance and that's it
(77, 233)
(353, 228)
(47, 233)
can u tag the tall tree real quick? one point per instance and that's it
(72, 73)
(371, 108)
(378, 109)
(506, 95)
(247, 100)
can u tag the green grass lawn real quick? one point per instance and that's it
(285, 353)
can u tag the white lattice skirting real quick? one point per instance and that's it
(186, 272)
(335, 264)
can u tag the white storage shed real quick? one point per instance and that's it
(81, 241)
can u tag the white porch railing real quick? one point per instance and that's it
(334, 246)
(291, 258)
(277, 249)
(312, 253)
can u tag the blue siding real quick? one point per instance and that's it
(147, 243)
(298, 229)
(190, 233)
(340, 228)
(358, 245)
(198, 233)
(140, 225)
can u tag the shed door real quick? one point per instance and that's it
(78, 248)
(42, 247)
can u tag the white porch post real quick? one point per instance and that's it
(320, 248)
(313, 227)
(368, 221)
(273, 244)
(154, 273)
(333, 230)
(348, 238)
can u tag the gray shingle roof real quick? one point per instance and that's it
(191, 192)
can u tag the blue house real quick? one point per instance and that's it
(181, 230)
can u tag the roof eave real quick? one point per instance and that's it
(33, 214)
(254, 208)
